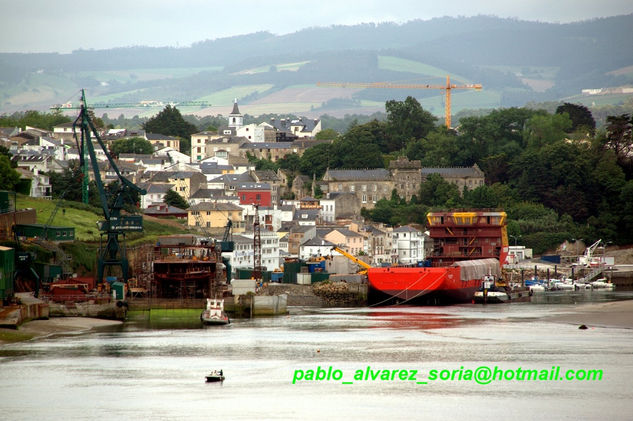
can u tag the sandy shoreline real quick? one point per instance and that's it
(52, 326)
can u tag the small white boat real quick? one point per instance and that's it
(602, 284)
(582, 286)
(537, 289)
(561, 286)
(215, 376)
(214, 313)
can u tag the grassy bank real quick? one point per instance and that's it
(12, 335)
(83, 218)
(187, 318)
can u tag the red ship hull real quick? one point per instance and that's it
(429, 285)
(420, 286)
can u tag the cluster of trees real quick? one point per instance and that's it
(32, 118)
(554, 173)
(171, 123)
(557, 177)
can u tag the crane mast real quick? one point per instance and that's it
(114, 225)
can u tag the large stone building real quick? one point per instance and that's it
(406, 176)
(369, 185)
(468, 177)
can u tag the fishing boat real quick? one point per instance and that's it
(214, 313)
(215, 376)
(467, 247)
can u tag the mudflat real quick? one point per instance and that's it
(52, 326)
(612, 314)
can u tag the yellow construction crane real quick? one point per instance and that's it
(388, 85)
(354, 259)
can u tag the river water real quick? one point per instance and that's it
(133, 372)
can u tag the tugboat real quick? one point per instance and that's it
(489, 293)
(214, 313)
(215, 376)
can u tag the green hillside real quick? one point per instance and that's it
(84, 219)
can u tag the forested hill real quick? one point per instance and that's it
(516, 61)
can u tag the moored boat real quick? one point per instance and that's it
(490, 297)
(602, 283)
(489, 293)
(214, 313)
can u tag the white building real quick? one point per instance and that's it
(316, 247)
(155, 194)
(236, 119)
(253, 132)
(408, 245)
(174, 156)
(40, 183)
(242, 256)
(328, 210)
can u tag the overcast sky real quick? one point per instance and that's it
(66, 25)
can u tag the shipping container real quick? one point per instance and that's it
(6, 201)
(119, 288)
(320, 276)
(7, 267)
(47, 272)
(52, 233)
(290, 272)
(304, 278)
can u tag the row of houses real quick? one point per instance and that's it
(220, 184)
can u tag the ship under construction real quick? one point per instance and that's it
(467, 246)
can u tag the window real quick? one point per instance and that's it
(352, 188)
(364, 198)
(364, 187)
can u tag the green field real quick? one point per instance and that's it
(398, 64)
(227, 96)
(144, 74)
(283, 67)
(598, 100)
(282, 108)
(85, 220)
(536, 72)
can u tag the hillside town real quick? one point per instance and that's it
(220, 184)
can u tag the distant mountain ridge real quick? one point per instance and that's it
(508, 56)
